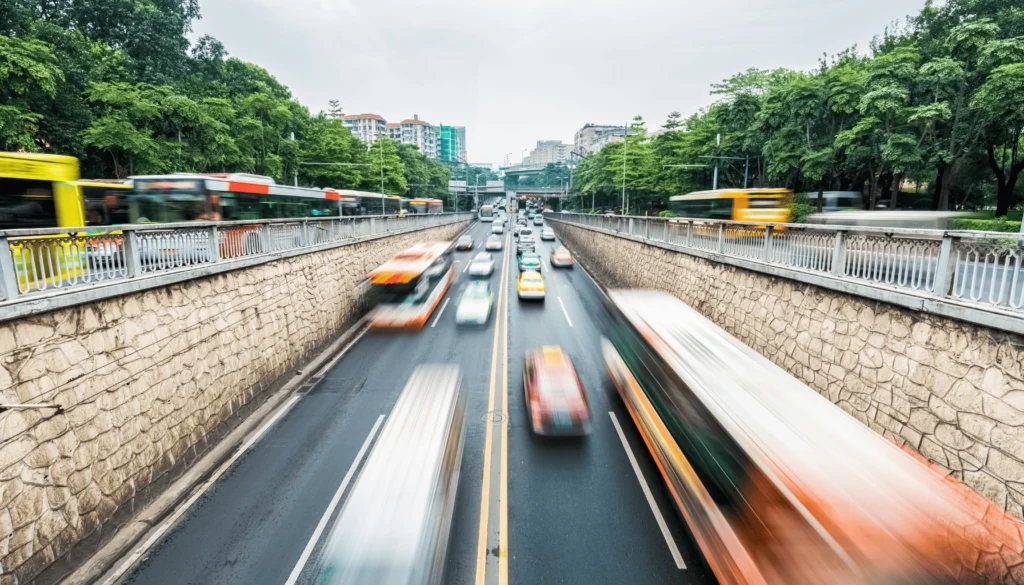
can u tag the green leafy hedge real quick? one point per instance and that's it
(985, 225)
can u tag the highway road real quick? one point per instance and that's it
(528, 511)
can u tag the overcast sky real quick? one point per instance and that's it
(514, 72)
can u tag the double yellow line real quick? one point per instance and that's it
(485, 537)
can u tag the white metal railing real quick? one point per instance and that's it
(980, 268)
(38, 261)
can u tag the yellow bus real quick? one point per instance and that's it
(39, 191)
(750, 205)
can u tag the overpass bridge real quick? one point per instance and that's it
(213, 400)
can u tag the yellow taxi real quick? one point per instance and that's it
(531, 285)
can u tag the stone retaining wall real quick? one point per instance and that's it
(952, 391)
(148, 382)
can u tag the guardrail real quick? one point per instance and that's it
(39, 261)
(982, 269)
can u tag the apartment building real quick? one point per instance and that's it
(593, 137)
(423, 135)
(549, 151)
(367, 127)
(429, 140)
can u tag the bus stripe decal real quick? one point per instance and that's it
(237, 187)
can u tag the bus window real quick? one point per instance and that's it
(239, 206)
(26, 203)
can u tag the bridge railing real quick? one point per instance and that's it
(39, 261)
(981, 269)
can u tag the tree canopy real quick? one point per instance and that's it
(931, 117)
(75, 80)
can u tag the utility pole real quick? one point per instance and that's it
(296, 166)
(718, 142)
(383, 210)
(625, 140)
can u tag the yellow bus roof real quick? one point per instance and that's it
(39, 167)
(729, 194)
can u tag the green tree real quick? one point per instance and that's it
(28, 72)
(394, 171)
(326, 140)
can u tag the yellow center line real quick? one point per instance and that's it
(485, 492)
(503, 495)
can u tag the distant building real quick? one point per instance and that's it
(593, 137)
(367, 127)
(548, 152)
(423, 135)
(452, 143)
(394, 131)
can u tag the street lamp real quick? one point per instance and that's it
(746, 169)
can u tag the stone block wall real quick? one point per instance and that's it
(952, 391)
(147, 382)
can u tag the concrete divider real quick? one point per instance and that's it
(148, 381)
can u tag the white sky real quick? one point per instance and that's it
(517, 71)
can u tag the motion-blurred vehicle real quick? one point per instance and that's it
(547, 234)
(525, 245)
(475, 304)
(837, 200)
(486, 213)
(538, 219)
(516, 229)
(777, 484)
(406, 289)
(395, 524)
(481, 265)
(464, 243)
(751, 205)
(925, 220)
(531, 286)
(497, 228)
(524, 231)
(561, 258)
(493, 243)
(529, 261)
(555, 398)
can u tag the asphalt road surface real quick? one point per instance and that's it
(561, 511)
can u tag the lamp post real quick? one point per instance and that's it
(625, 140)
(746, 170)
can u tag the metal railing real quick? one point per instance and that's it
(38, 261)
(979, 268)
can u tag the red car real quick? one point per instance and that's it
(555, 398)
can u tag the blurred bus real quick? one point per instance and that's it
(750, 205)
(394, 526)
(778, 485)
(425, 206)
(928, 220)
(486, 213)
(837, 200)
(39, 191)
(105, 200)
(408, 288)
(367, 203)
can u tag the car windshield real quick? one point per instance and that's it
(482, 258)
(465, 240)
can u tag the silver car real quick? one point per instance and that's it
(547, 234)
(482, 265)
(493, 243)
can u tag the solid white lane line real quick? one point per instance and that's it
(650, 497)
(322, 525)
(564, 312)
(468, 262)
(170, 520)
(436, 319)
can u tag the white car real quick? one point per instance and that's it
(482, 265)
(547, 234)
(497, 229)
(493, 243)
(475, 305)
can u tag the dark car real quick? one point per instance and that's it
(464, 243)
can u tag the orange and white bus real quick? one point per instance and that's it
(778, 485)
(425, 205)
(408, 288)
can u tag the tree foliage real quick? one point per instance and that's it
(932, 117)
(118, 84)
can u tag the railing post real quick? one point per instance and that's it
(689, 234)
(305, 234)
(721, 237)
(631, 226)
(214, 244)
(945, 269)
(8, 273)
(133, 254)
(839, 255)
(373, 225)
(766, 254)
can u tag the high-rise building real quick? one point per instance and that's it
(422, 134)
(394, 131)
(549, 151)
(452, 143)
(367, 127)
(592, 137)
